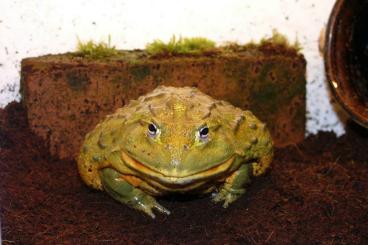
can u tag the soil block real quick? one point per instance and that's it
(67, 95)
(315, 193)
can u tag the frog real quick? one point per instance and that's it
(175, 140)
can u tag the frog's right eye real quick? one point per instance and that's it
(203, 132)
(152, 130)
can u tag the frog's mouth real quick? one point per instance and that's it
(142, 169)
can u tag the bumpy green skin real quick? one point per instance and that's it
(121, 157)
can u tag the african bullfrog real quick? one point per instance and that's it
(175, 140)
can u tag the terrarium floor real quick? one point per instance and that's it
(316, 193)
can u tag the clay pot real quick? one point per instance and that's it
(346, 57)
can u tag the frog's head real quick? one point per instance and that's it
(177, 140)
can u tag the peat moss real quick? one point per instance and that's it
(267, 96)
(235, 69)
(297, 88)
(117, 79)
(269, 92)
(192, 46)
(316, 193)
(140, 72)
(77, 80)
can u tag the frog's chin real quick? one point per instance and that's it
(176, 179)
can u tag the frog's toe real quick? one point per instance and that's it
(145, 210)
(161, 209)
(217, 197)
(148, 204)
(227, 196)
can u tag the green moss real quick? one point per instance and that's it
(279, 39)
(94, 50)
(195, 45)
(236, 47)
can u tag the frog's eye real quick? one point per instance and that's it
(152, 130)
(203, 132)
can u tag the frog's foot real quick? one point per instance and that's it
(227, 195)
(147, 204)
(127, 194)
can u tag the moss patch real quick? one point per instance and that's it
(183, 46)
(276, 44)
(279, 39)
(94, 50)
(195, 45)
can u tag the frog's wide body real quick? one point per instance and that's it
(174, 140)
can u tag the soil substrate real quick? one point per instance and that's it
(316, 193)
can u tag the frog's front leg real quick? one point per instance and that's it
(127, 194)
(233, 187)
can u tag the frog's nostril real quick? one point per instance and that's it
(186, 147)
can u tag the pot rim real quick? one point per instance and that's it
(356, 110)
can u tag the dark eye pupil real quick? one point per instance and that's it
(203, 131)
(152, 128)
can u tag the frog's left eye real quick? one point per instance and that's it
(152, 129)
(203, 132)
